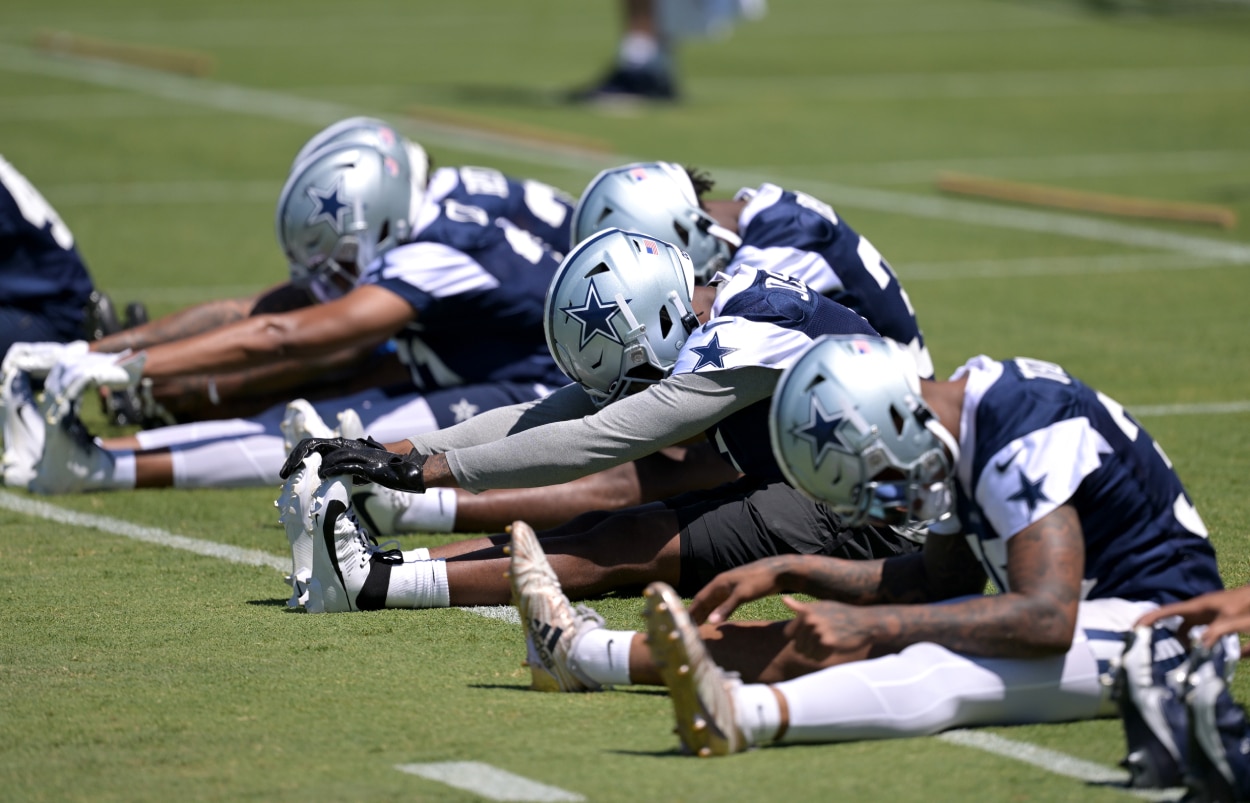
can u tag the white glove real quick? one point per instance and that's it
(37, 359)
(70, 377)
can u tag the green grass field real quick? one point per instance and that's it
(134, 671)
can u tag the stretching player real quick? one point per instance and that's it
(540, 209)
(656, 362)
(461, 295)
(1032, 480)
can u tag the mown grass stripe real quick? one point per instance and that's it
(489, 782)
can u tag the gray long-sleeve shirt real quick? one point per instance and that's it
(564, 436)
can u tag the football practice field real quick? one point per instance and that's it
(145, 649)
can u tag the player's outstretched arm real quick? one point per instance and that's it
(1223, 612)
(203, 318)
(366, 315)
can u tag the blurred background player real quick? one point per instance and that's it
(460, 294)
(536, 207)
(644, 68)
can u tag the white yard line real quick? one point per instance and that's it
(488, 781)
(1054, 762)
(292, 108)
(212, 549)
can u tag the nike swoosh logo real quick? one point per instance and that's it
(611, 641)
(1005, 464)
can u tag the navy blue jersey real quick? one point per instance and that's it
(477, 286)
(1034, 438)
(538, 208)
(39, 266)
(794, 234)
(762, 319)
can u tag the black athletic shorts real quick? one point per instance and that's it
(748, 519)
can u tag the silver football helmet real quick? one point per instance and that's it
(657, 198)
(341, 208)
(377, 134)
(850, 428)
(618, 312)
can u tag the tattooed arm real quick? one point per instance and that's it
(202, 318)
(1037, 618)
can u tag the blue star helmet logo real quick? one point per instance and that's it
(712, 354)
(1030, 493)
(595, 318)
(329, 206)
(821, 431)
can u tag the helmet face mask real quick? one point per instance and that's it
(850, 428)
(659, 199)
(340, 209)
(618, 312)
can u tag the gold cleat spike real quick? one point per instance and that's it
(704, 752)
(683, 670)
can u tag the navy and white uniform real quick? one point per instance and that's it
(539, 208)
(794, 234)
(760, 319)
(721, 384)
(477, 288)
(1032, 438)
(44, 284)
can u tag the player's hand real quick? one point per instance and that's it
(401, 472)
(323, 446)
(824, 630)
(728, 590)
(1223, 612)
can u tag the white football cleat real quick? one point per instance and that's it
(350, 425)
(702, 692)
(294, 505)
(72, 460)
(552, 626)
(350, 572)
(301, 421)
(23, 429)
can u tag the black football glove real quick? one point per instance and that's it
(324, 446)
(390, 470)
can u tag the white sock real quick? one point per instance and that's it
(757, 712)
(123, 470)
(416, 555)
(431, 512)
(602, 655)
(637, 50)
(419, 585)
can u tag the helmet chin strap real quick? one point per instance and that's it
(721, 233)
(944, 435)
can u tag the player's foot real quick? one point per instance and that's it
(350, 572)
(1155, 726)
(628, 85)
(1219, 736)
(552, 625)
(350, 425)
(380, 507)
(702, 692)
(23, 429)
(72, 461)
(294, 505)
(302, 421)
